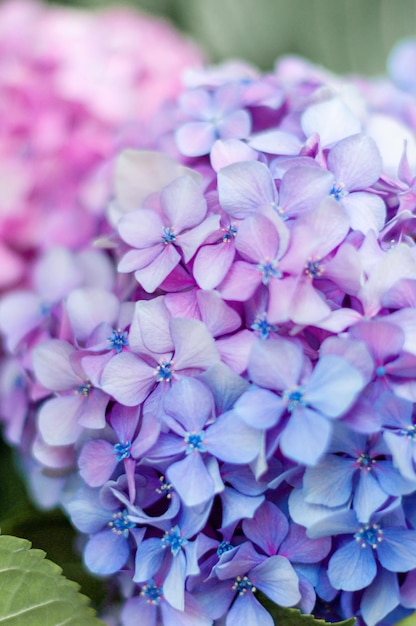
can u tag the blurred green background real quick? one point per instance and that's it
(346, 36)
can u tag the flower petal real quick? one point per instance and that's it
(277, 579)
(106, 552)
(190, 402)
(230, 439)
(52, 365)
(333, 386)
(397, 550)
(191, 480)
(128, 379)
(245, 186)
(58, 420)
(352, 567)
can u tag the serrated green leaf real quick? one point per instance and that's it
(293, 617)
(407, 621)
(34, 591)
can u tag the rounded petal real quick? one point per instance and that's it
(329, 482)
(151, 276)
(20, 312)
(139, 606)
(219, 318)
(52, 365)
(58, 420)
(137, 259)
(195, 138)
(229, 439)
(183, 204)
(212, 263)
(331, 119)
(106, 552)
(278, 580)
(306, 436)
(141, 229)
(149, 558)
(267, 528)
(241, 281)
(275, 364)
(247, 610)
(245, 186)
(366, 211)
(380, 598)
(128, 379)
(352, 567)
(397, 550)
(174, 584)
(368, 496)
(257, 239)
(88, 308)
(236, 125)
(191, 480)
(333, 386)
(260, 408)
(190, 402)
(355, 161)
(192, 615)
(97, 462)
(299, 548)
(194, 345)
(303, 188)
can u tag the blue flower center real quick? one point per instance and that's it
(122, 450)
(338, 191)
(165, 487)
(409, 432)
(380, 370)
(369, 535)
(194, 442)
(45, 308)
(19, 382)
(168, 236)
(223, 547)
(268, 271)
(229, 234)
(84, 389)
(365, 462)
(314, 269)
(242, 584)
(118, 340)
(152, 592)
(279, 211)
(172, 539)
(294, 398)
(262, 326)
(120, 524)
(164, 372)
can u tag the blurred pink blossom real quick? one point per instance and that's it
(75, 86)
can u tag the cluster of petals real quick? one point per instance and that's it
(75, 86)
(224, 392)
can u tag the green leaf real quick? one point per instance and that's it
(293, 617)
(408, 621)
(33, 590)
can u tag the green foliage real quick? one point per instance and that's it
(283, 616)
(49, 531)
(33, 589)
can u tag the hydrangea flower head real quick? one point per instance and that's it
(227, 387)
